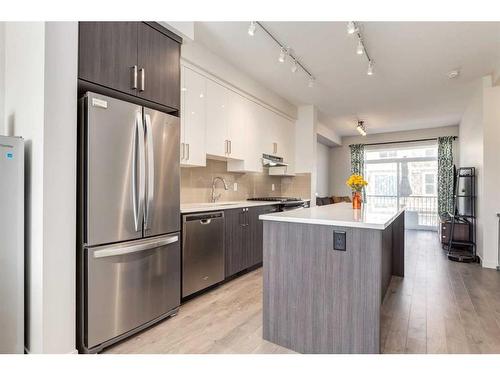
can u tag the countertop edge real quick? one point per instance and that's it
(330, 222)
(242, 204)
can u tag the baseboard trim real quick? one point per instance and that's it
(74, 351)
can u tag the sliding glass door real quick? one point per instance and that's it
(405, 176)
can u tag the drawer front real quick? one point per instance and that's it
(128, 290)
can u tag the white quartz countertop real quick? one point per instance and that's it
(203, 207)
(339, 214)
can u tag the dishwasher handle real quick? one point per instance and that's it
(204, 218)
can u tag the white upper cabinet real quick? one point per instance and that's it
(219, 122)
(193, 118)
(217, 119)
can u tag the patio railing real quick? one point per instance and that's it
(421, 210)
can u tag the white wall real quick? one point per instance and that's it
(40, 105)
(472, 151)
(59, 181)
(306, 144)
(201, 57)
(323, 170)
(491, 176)
(340, 157)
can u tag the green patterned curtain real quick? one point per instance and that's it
(357, 159)
(445, 175)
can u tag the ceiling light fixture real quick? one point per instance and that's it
(453, 73)
(351, 27)
(251, 28)
(361, 128)
(369, 71)
(284, 51)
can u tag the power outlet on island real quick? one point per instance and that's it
(339, 240)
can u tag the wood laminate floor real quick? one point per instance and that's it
(438, 307)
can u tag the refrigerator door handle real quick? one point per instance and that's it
(139, 198)
(151, 171)
(111, 251)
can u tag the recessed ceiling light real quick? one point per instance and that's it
(453, 73)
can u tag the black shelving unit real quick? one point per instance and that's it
(464, 211)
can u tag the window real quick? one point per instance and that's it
(404, 175)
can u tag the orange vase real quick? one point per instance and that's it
(356, 200)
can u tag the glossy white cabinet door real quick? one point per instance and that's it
(217, 119)
(236, 130)
(194, 129)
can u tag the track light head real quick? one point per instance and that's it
(361, 128)
(311, 82)
(282, 56)
(294, 66)
(251, 28)
(369, 71)
(351, 28)
(360, 49)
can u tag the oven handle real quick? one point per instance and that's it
(123, 250)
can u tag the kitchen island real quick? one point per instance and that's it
(326, 271)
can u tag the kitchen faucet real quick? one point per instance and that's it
(217, 196)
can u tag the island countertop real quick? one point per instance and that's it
(338, 214)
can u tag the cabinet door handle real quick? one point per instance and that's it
(182, 151)
(143, 78)
(134, 77)
(187, 151)
(230, 147)
(226, 147)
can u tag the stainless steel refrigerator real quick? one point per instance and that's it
(11, 245)
(129, 219)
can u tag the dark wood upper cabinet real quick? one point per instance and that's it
(159, 57)
(108, 53)
(135, 58)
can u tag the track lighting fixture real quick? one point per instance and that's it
(369, 71)
(360, 49)
(351, 28)
(361, 128)
(285, 51)
(251, 28)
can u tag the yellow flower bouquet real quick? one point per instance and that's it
(356, 182)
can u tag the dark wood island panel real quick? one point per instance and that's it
(321, 300)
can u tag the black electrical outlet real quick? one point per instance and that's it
(338, 240)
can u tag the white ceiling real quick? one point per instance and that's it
(409, 90)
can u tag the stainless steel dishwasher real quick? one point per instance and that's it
(202, 251)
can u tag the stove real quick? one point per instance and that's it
(285, 203)
(276, 199)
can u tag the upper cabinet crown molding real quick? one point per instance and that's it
(136, 58)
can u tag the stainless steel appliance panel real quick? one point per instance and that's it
(202, 251)
(11, 245)
(115, 168)
(130, 284)
(162, 202)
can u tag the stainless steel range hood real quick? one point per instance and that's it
(273, 161)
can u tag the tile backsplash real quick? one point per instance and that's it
(196, 184)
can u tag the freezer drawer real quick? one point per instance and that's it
(202, 251)
(130, 284)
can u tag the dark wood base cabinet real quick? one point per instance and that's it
(243, 238)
